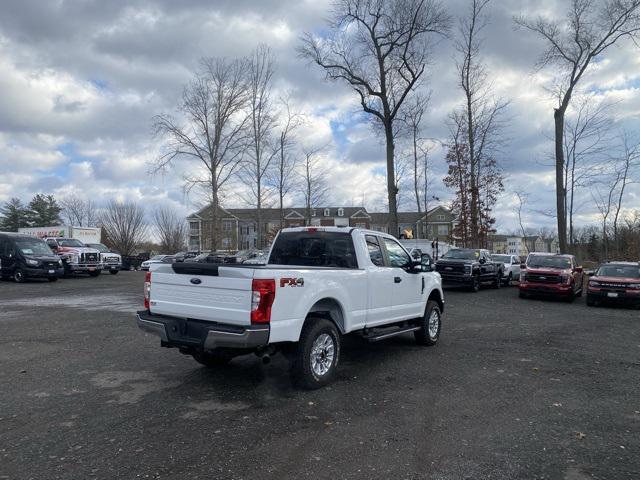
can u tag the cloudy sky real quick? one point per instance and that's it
(80, 81)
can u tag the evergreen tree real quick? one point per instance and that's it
(13, 215)
(44, 211)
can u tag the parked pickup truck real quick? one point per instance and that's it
(318, 285)
(470, 267)
(551, 275)
(110, 260)
(76, 256)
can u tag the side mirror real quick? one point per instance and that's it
(523, 265)
(590, 273)
(579, 269)
(425, 261)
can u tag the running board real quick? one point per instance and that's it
(376, 337)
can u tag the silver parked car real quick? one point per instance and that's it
(511, 267)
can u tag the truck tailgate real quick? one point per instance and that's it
(214, 298)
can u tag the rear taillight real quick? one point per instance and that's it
(263, 293)
(147, 290)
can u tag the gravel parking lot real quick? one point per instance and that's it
(515, 389)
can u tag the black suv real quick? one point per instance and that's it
(24, 256)
(469, 267)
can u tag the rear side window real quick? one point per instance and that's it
(375, 252)
(314, 249)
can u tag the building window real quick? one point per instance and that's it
(227, 226)
(327, 212)
(443, 229)
(313, 212)
(194, 225)
(440, 217)
(361, 225)
(341, 212)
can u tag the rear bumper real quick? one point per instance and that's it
(202, 335)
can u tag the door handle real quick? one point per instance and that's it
(397, 279)
(422, 292)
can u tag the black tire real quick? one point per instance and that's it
(509, 280)
(591, 302)
(18, 276)
(303, 373)
(95, 274)
(497, 282)
(522, 294)
(425, 336)
(571, 297)
(475, 284)
(114, 272)
(52, 279)
(212, 359)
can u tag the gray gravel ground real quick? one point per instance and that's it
(515, 389)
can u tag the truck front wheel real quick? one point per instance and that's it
(430, 325)
(316, 355)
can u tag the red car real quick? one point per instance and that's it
(615, 282)
(551, 275)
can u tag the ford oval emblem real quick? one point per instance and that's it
(196, 281)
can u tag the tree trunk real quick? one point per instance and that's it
(561, 193)
(415, 169)
(474, 174)
(392, 189)
(214, 212)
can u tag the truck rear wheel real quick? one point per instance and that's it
(316, 355)
(52, 279)
(114, 272)
(430, 325)
(497, 282)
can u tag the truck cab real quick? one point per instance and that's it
(76, 256)
(110, 260)
(23, 257)
(551, 275)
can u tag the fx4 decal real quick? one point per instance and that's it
(292, 282)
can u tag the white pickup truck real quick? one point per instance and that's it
(318, 284)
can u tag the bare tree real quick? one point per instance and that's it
(262, 121)
(211, 131)
(171, 230)
(419, 149)
(586, 138)
(314, 180)
(78, 211)
(481, 116)
(286, 164)
(380, 49)
(124, 225)
(572, 45)
(522, 199)
(628, 163)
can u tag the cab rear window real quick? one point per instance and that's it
(314, 249)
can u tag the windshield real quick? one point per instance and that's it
(33, 246)
(623, 271)
(314, 249)
(548, 261)
(460, 254)
(501, 258)
(158, 257)
(99, 246)
(70, 242)
(202, 256)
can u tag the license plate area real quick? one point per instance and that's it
(612, 295)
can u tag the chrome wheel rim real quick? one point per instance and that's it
(434, 323)
(18, 276)
(322, 354)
